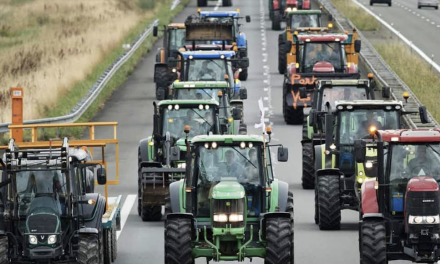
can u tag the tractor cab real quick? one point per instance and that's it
(404, 198)
(302, 19)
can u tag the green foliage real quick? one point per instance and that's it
(361, 19)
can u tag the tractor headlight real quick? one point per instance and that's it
(33, 240)
(235, 217)
(430, 219)
(181, 165)
(52, 239)
(368, 164)
(220, 218)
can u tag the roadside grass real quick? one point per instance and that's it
(362, 20)
(67, 102)
(415, 72)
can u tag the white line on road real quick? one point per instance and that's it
(125, 212)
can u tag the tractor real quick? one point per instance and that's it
(159, 162)
(313, 56)
(219, 30)
(298, 20)
(401, 206)
(203, 3)
(338, 177)
(325, 94)
(277, 9)
(49, 212)
(173, 40)
(230, 207)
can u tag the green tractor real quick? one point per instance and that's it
(159, 161)
(338, 177)
(229, 206)
(325, 94)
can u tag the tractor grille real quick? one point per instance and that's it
(42, 223)
(228, 207)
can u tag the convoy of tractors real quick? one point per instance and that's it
(210, 181)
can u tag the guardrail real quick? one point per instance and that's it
(382, 72)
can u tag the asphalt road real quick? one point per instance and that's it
(420, 26)
(131, 106)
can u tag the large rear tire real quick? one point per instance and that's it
(291, 116)
(4, 247)
(178, 241)
(114, 244)
(276, 21)
(308, 172)
(151, 213)
(290, 209)
(373, 245)
(243, 74)
(316, 207)
(282, 58)
(139, 184)
(329, 203)
(162, 78)
(107, 244)
(279, 245)
(88, 249)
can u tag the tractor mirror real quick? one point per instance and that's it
(359, 150)
(386, 92)
(174, 153)
(243, 93)
(312, 117)
(423, 114)
(248, 19)
(223, 129)
(302, 92)
(283, 154)
(101, 176)
(357, 46)
(236, 114)
(155, 31)
(288, 46)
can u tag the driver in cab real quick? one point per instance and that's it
(421, 164)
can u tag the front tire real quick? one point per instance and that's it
(308, 175)
(243, 75)
(107, 244)
(4, 247)
(279, 245)
(88, 249)
(178, 241)
(328, 203)
(282, 59)
(373, 245)
(276, 21)
(151, 213)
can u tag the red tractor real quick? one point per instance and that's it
(401, 206)
(277, 8)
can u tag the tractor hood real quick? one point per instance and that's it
(228, 188)
(43, 216)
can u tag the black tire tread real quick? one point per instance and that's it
(107, 244)
(4, 247)
(88, 249)
(162, 78)
(308, 169)
(243, 75)
(282, 58)
(178, 241)
(276, 21)
(278, 236)
(151, 213)
(114, 244)
(373, 235)
(329, 203)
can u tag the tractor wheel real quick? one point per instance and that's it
(178, 241)
(276, 21)
(282, 58)
(107, 244)
(389, 4)
(371, 3)
(328, 203)
(161, 77)
(114, 244)
(316, 207)
(168, 209)
(291, 116)
(308, 175)
(4, 247)
(374, 250)
(290, 209)
(305, 129)
(271, 12)
(202, 3)
(279, 245)
(88, 249)
(151, 213)
(139, 184)
(243, 74)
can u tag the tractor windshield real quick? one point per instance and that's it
(191, 94)
(355, 124)
(207, 70)
(177, 38)
(243, 163)
(42, 188)
(305, 20)
(199, 119)
(332, 94)
(322, 52)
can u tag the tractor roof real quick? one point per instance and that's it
(187, 102)
(342, 82)
(367, 104)
(303, 12)
(322, 37)
(176, 25)
(204, 54)
(201, 84)
(228, 139)
(219, 13)
(411, 135)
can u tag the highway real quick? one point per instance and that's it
(420, 26)
(131, 106)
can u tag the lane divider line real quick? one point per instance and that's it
(125, 211)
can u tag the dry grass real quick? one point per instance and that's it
(47, 47)
(361, 20)
(415, 72)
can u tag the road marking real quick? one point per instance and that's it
(125, 211)
(219, 2)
